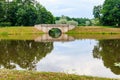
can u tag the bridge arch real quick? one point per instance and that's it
(55, 32)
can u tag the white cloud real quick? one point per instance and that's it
(73, 8)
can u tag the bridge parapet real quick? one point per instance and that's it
(46, 27)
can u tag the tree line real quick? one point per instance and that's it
(31, 12)
(73, 21)
(23, 13)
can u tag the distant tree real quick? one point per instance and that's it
(79, 21)
(61, 21)
(66, 20)
(95, 22)
(1, 11)
(88, 23)
(72, 22)
(97, 11)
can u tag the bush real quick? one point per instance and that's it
(95, 22)
(73, 23)
(5, 24)
(64, 21)
(61, 21)
(88, 23)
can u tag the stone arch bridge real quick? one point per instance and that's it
(47, 27)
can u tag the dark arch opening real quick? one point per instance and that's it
(55, 32)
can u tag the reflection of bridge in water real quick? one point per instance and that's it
(47, 38)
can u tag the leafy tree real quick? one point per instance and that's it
(109, 14)
(66, 20)
(61, 21)
(95, 22)
(24, 13)
(80, 21)
(72, 22)
(1, 11)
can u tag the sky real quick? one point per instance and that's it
(71, 8)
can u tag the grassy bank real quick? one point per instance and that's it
(77, 30)
(94, 30)
(29, 75)
(19, 31)
(95, 36)
(20, 37)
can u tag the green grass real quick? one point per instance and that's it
(95, 36)
(94, 30)
(19, 31)
(20, 37)
(31, 75)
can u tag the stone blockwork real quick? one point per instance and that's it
(46, 27)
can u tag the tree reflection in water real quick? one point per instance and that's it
(23, 53)
(109, 52)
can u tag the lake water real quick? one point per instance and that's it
(89, 57)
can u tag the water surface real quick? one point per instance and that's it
(82, 57)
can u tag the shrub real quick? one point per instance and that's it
(72, 23)
(61, 21)
(5, 24)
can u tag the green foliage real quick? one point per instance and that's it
(66, 20)
(79, 21)
(5, 24)
(109, 13)
(95, 22)
(97, 11)
(62, 21)
(72, 22)
(24, 13)
(88, 23)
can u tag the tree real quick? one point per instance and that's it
(111, 13)
(97, 11)
(66, 20)
(26, 16)
(79, 21)
(72, 22)
(24, 13)
(1, 11)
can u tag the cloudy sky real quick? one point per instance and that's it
(72, 8)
